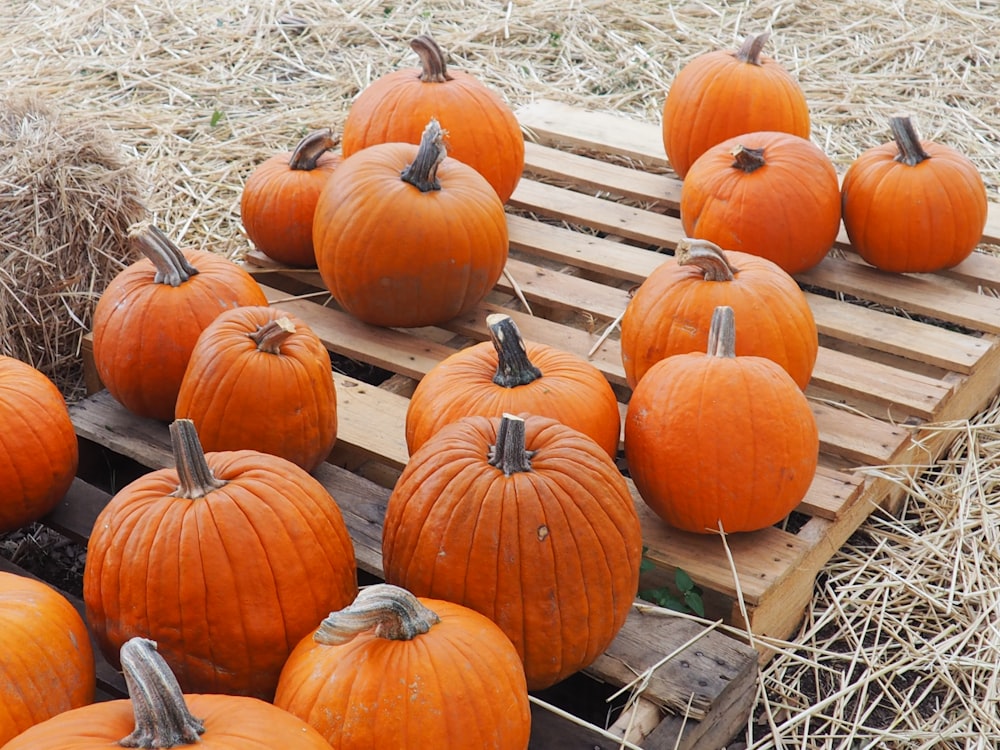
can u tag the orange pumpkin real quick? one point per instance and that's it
(714, 439)
(527, 521)
(391, 670)
(157, 714)
(38, 445)
(227, 561)
(505, 374)
(724, 93)
(46, 663)
(482, 131)
(913, 206)
(150, 315)
(671, 311)
(771, 194)
(260, 378)
(279, 199)
(407, 236)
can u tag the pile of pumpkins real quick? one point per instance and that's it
(226, 587)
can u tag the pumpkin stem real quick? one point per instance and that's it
(747, 159)
(432, 64)
(270, 336)
(513, 366)
(904, 132)
(422, 173)
(162, 718)
(722, 332)
(392, 612)
(310, 148)
(752, 47)
(509, 454)
(707, 256)
(171, 266)
(195, 475)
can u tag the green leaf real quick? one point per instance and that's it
(216, 118)
(693, 600)
(683, 580)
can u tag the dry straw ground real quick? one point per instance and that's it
(901, 644)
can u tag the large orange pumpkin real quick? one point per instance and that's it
(771, 194)
(150, 315)
(260, 378)
(279, 198)
(227, 561)
(394, 671)
(505, 374)
(38, 447)
(407, 236)
(158, 715)
(716, 439)
(724, 93)
(913, 206)
(482, 131)
(46, 663)
(527, 521)
(671, 311)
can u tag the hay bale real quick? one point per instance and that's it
(67, 198)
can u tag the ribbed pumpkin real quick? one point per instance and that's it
(38, 446)
(278, 201)
(724, 93)
(150, 315)
(482, 131)
(912, 205)
(407, 236)
(394, 671)
(46, 663)
(506, 374)
(158, 715)
(227, 561)
(527, 521)
(771, 194)
(671, 311)
(260, 378)
(713, 438)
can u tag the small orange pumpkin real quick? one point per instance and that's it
(913, 206)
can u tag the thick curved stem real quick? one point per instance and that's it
(432, 63)
(707, 256)
(195, 475)
(513, 366)
(747, 159)
(171, 266)
(904, 132)
(722, 333)
(392, 612)
(422, 173)
(752, 47)
(272, 334)
(310, 148)
(510, 454)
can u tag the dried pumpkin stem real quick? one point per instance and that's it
(752, 48)
(162, 718)
(309, 149)
(432, 63)
(706, 256)
(422, 173)
(747, 159)
(510, 454)
(195, 475)
(270, 336)
(513, 366)
(722, 332)
(904, 132)
(391, 612)
(171, 266)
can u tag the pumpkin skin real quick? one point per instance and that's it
(279, 199)
(227, 579)
(671, 311)
(482, 130)
(913, 206)
(46, 662)
(771, 194)
(394, 253)
(548, 547)
(149, 317)
(724, 93)
(714, 438)
(38, 446)
(534, 378)
(276, 396)
(444, 677)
